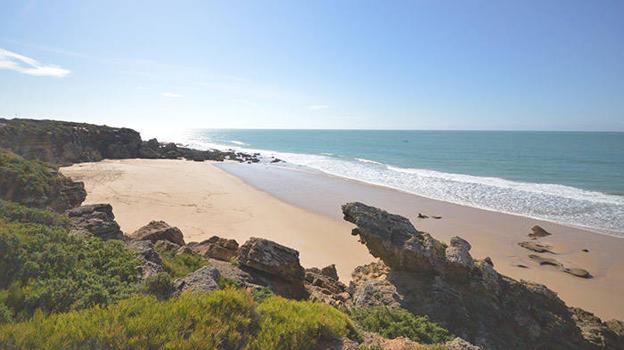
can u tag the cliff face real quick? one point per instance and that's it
(65, 143)
(465, 295)
(61, 143)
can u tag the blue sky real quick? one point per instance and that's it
(519, 65)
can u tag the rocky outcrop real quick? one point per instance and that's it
(62, 143)
(65, 143)
(97, 219)
(274, 265)
(157, 231)
(151, 264)
(464, 295)
(216, 248)
(537, 247)
(537, 232)
(605, 335)
(323, 285)
(205, 279)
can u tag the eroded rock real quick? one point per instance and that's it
(537, 247)
(216, 248)
(97, 219)
(205, 279)
(537, 232)
(159, 230)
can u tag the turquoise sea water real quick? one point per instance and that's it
(568, 177)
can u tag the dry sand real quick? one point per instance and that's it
(204, 200)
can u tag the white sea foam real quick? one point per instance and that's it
(553, 202)
(239, 143)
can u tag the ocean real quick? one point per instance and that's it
(574, 178)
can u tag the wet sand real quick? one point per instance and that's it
(490, 233)
(301, 209)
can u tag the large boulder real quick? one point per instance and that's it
(278, 266)
(466, 296)
(97, 219)
(323, 285)
(151, 264)
(216, 248)
(205, 279)
(157, 231)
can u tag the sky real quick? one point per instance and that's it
(486, 65)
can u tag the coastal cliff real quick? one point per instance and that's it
(68, 269)
(64, 143)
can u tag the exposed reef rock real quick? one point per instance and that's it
(97, 219)
(537, 232)
(537, 247)
(466, 296)
(65, 143)
(157, 231)
(578, 272)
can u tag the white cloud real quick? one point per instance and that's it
(317, 107)
(26, 65)
(170, 94)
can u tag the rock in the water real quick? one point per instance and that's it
(537, 247)
(537, 231)
(204, 279)
(485, 308)
(216, 248)
(97, 219)
(159, 230)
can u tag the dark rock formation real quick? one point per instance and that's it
(97, 219)
(65, 143)
(605, 335)
(204, 279)
(272, 258)
(537, 232)
(578, 272)
(216, 248)
(274, 265)
(537, 247)
(151, 262)
(159, 230)
(323, 285)
(59, 142)
(467, 297)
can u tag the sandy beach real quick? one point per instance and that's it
(302, 210)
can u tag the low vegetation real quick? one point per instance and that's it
(227, 319)
(179, 265)
(393, 322)
(48, 269)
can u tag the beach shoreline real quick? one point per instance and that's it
(302, 210)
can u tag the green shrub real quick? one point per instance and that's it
(5, 314)
(224, 319)
(288, 324)
(179, 265)
(159, 285)
(393, 322)
(13, 212)
(33, 183)
(46, 268)
(261, 294)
